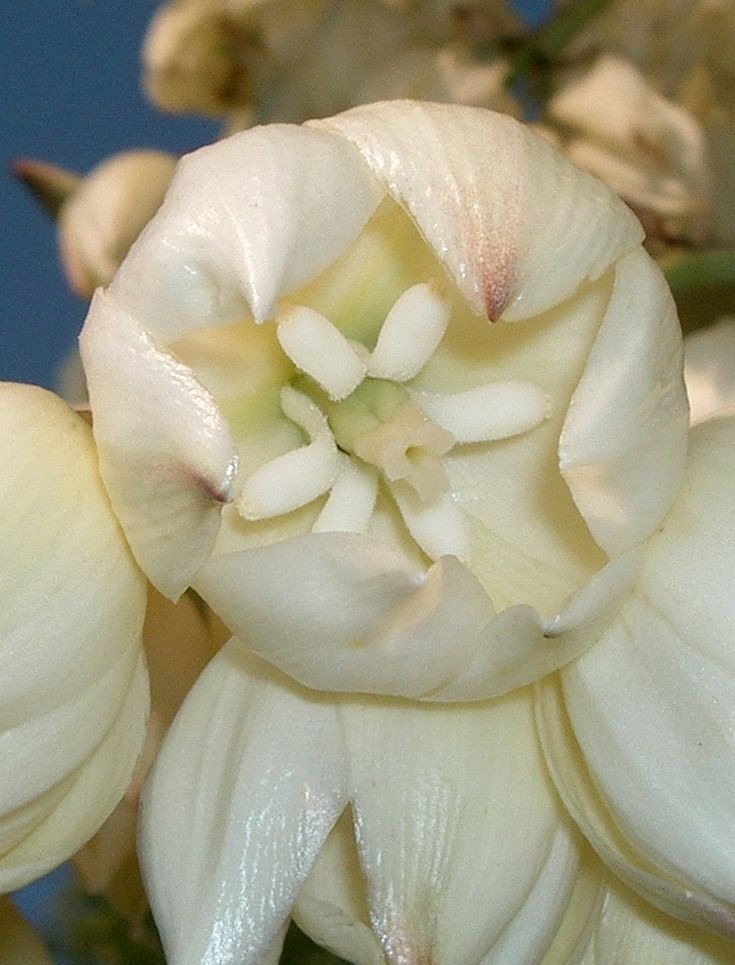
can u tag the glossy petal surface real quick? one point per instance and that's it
(651, 773)
(73, 685)
(516, 233)
(245, 789)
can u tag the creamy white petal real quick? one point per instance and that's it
(608, 924)
(456, 823)
(646, 760)
(410, 333)
(518, 647)
(165, 451)
(709, 370)
(591, 813)
(516, 225)
(71, 614)
(245, 221)
(106, 213)
(623, 446)
(582, 912)
(530, 545)
(438, 525)
(532, 930)
(628, 929)
(332, 905)
(343, 612)
(248, 783)
(86, 798)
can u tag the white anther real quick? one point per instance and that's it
(410, 335)
(439, 527)
(351, 501)
(496, 410)
(297, 477)
(318, 348)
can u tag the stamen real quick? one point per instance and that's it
(410, 335)
(407, 446)
(317, 347)
(439, 527)
(299, 476)
(496, 410)
(351, 501)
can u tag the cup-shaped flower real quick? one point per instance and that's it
(401, 510)
(72, 677)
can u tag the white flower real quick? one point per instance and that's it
(326, 467)
(178, 642)
(263, 61)
(709, 356)
(73, 683)
(106, 212)
(647, 148)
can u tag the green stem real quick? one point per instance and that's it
(701, 269)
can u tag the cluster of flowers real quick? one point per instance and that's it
(390, 576)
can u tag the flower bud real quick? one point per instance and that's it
(106, 213)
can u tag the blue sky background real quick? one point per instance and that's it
(70, 94)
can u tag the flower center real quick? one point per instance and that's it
(365, 422)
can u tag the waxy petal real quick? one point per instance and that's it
(459, 828)
(518, 228)
(245, 221)
(165, 451)
(623, 446)
(344, 612)
(332, 905)
(709, 370)
(251, 778)
(628, 929)
(107, 212)
(607, 923)
(646, 758)
(86, 797)
(356, 618)
(73, 688)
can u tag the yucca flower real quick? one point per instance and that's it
(400, 395)
(73, 681)
(276, 60)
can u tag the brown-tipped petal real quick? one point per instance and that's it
(518, 228)
(166, 452)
